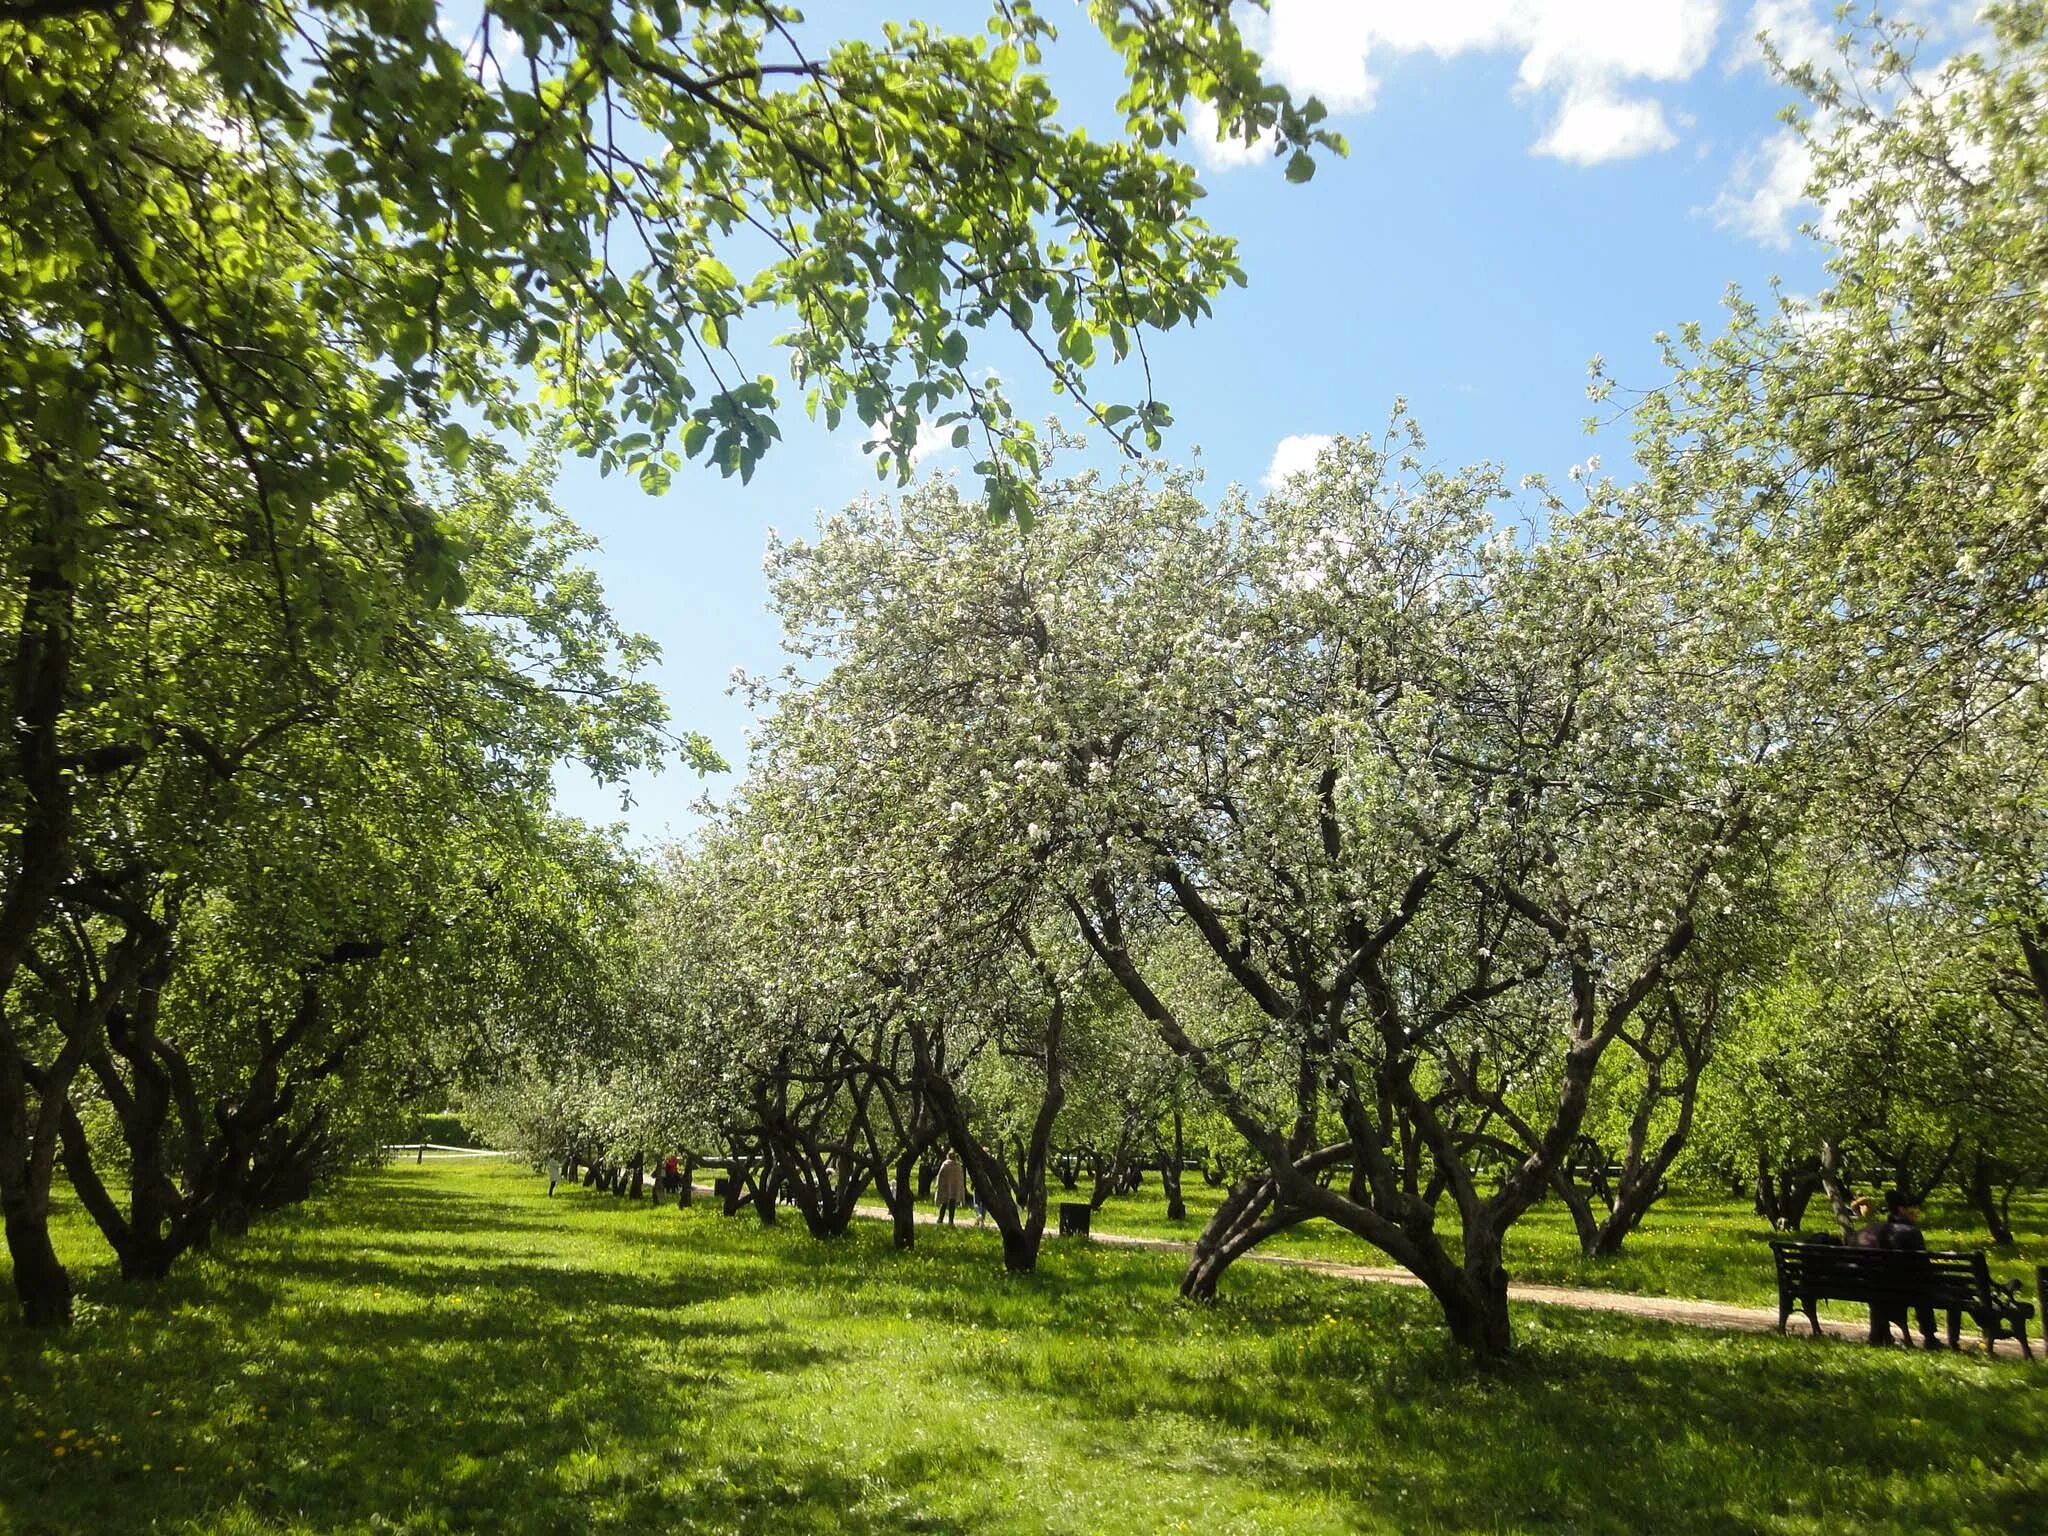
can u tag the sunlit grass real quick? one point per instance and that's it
(1690, 1245)
(445, 1349)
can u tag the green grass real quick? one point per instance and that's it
(1690, 1245)
(444, 1349)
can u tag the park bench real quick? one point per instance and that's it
(1898, 1279)
(1074, 1215)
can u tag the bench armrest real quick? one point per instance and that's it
(2007, 1297)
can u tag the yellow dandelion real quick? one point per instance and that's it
(66, 1434)
(56, 1450)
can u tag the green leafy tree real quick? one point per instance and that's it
(1446, 810)
(612, 195)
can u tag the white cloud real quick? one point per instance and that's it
(1799, 30)
(1595, 126)
(930, 440)
(1221, 154)
(1580, 41)
(1807, 317)
(1762, 198)
(505, 45)
(1583, 53)
(1294, 455)
(1320, 47)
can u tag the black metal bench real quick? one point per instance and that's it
(1074, 1216)
(1896, 1280)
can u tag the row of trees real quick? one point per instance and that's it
(1432, 860)
(294, 647)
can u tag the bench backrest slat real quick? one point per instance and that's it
(1842, 1272)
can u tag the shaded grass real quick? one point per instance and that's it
(444, 1349)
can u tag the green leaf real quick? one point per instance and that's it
(455, 444)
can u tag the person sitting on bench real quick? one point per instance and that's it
(1899, 1232)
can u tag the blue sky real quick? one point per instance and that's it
(1530, 182)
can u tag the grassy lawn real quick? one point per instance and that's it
(444, 1349)
(1690, 1245)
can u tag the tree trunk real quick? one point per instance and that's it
(1244, 1219)
(1477, 1313)
(1631, 1205)
(1798, 1196)
(1106, 1174)
(1765, 1190)
(1642, 1180)
(1020, 1249)
(139, 1242)
(767, 1186)
(902, 1206)
(1169, 1177)
(41, 1283)
(636, 1175)
(1585, 1225)
(1984, 1200)
(1782, 1195)
(38, 689)
(1840, 1196)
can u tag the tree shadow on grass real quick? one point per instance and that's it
(417, 1358)
(1595, 1426)
(306, 1376)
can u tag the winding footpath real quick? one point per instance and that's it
(1660, 1309)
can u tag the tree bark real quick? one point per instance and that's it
(1018, 1210)
(41, 1283)
(1244, 1219)
(1169, 1175)
(1840, 1197)
(1782, 1195)
(902, 1204)
(38, 691)
(1984, 1199)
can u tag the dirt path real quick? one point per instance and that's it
(1661, 1309)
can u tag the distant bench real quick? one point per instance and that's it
(1896, 1280)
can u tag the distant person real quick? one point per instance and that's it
(952, 1188)
(1899, 1232)
(554, 1175)
(671, 1174)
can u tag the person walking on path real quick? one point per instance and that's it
(952, 1188)
(554, 1173)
